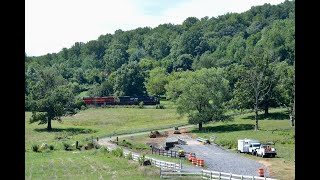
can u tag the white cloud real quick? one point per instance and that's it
(52, 25)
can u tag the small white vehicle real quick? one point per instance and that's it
(248, 146)
(265, 150)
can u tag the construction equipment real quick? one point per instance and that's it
(181, 153)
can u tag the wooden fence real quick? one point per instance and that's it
(205, 174)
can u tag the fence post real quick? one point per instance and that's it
(210, 175)
(219, 175)
(230, 176)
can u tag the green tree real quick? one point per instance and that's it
(256, 81)
(158, 78)
(286, 87)
(129, 80)
(56, 103)
(201, 97)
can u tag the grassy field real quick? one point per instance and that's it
(98, 122)
(92, 164)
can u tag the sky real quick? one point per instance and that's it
(51, 25)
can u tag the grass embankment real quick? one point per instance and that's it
(91, 164)
(275, 128)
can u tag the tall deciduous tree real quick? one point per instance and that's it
(128, 80)
(202, 96)
(56, 103)
(50, 98)
(286, 87)
(257, 80)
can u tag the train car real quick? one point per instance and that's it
(120, 100)
(149, 100)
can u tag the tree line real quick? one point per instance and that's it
(207, 65)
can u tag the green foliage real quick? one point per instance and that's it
(160, 106)
(117, 152)
(129, 156)
(200, 97)
(66, 146)
(35, 148)
(141, 159)
(141, 104)
(129, 80)
(158, 78)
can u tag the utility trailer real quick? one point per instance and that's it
(248, 146)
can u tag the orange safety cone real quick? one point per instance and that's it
(194, 161)
(200, 162)
(189, 157)
(260, 172)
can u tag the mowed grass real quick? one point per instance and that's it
(91, 164)
(98, 122)
(273, 128)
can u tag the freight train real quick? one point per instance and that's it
(120, 100)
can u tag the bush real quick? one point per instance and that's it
(159, 106)
(83, 107)
(141, 159)
(35, 148)
(51, 147)
(117, 152)
(66, 146)
(104, 149)
(141, 104)
(129, 156)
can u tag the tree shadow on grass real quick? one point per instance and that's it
(270, 116)
(73, 131)
(225, 128)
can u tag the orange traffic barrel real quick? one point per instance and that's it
(189, 157)
(200, 162)
(194, 161)
(260, 172)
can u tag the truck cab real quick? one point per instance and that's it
(253, 147)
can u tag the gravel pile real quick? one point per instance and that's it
(219, 159)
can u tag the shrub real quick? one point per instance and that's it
(83, 107)
(141, 104)
(66, 146)
(141, 159)
(51, 147)
(35, 148)
(159, 106)
(104, 149)
(117, 152)
(129, 156)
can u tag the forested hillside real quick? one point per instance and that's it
(252, 53)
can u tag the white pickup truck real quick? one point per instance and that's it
(265, 150)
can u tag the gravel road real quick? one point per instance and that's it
(218, 159)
